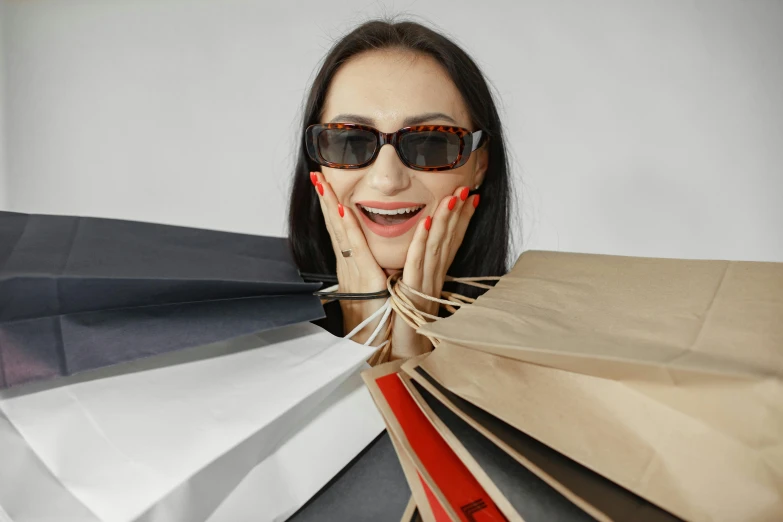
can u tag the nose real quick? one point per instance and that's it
(387, 174)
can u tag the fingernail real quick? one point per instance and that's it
(452, 202)
(476, 201)
(428, 223)
(464, 194)
(340, 210)
(313, 178)
(320, 188)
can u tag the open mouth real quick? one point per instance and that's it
(390, 218)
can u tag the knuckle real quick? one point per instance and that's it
(434, 249)
(417, 263)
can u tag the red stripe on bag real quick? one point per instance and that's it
(458, 485)
(437, 509)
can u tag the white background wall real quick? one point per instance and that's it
(639, 127)
(4, 202)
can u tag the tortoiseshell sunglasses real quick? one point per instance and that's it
(421, 147)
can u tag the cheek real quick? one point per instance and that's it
(342, 182)
(442, 184)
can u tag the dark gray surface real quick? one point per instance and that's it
(372, 488)
(79, 293)
(533, 498)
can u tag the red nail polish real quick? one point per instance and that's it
(320, 188)
(476, 201)
(428, 223)
(340, 210)
(452, 202)
(313, 178)
(464, 194)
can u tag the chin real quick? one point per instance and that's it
(389, 260)
(390, 253)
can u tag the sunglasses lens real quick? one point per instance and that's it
(346, 146)
(430, 148)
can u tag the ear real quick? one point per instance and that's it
(480, 169)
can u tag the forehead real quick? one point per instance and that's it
(390, 85)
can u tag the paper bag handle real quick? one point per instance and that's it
(416, 318)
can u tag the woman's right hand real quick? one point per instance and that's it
(359, 273)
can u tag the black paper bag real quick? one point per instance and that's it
(79, 293)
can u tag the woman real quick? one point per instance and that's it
(434, 203)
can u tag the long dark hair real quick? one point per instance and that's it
(485, 248)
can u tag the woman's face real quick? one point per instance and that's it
(389, 90)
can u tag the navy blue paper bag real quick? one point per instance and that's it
(80, 293)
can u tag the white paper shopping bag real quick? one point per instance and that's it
(344, 424)
(170, 438)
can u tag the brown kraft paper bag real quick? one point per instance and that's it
(667, 320)
(701, 340)
(694, 469)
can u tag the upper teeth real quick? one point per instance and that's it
(391, 212)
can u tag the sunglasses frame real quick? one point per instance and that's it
(468, 141)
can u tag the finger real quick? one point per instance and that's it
(331, 210)
(468, 211)
(355, 235)
(346, 230)
(433, 257)
(413, 271)
(315, 178)
(461, 195)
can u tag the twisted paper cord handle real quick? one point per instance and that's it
(383, 353)
(402, 305)
(415, 318)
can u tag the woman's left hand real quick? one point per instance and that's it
(431, 252)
